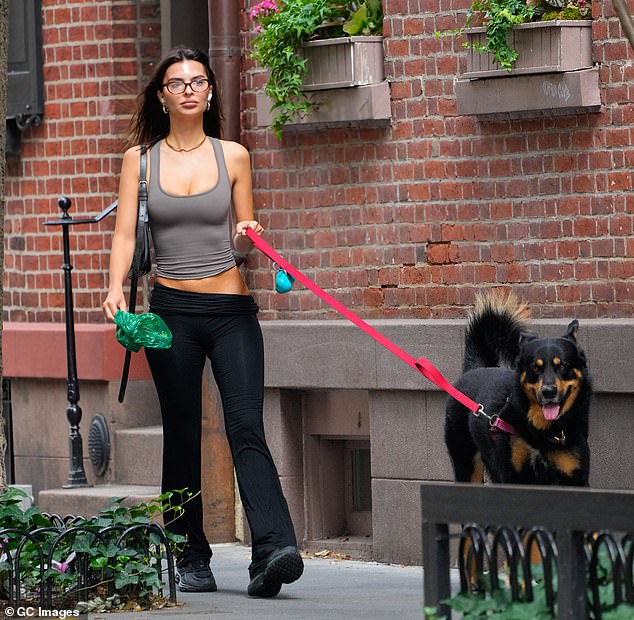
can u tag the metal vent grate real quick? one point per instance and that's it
(99, 444)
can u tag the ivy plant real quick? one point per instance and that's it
(281, 30)
(499, 16)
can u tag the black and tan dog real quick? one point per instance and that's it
(535, 392)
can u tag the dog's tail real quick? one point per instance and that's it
(494, 328)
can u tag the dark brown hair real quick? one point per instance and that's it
(150, 124)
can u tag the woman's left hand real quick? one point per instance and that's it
(241, 227)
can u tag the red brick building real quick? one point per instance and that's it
(404, 218)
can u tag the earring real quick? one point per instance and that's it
(165, 110)
(209, 101)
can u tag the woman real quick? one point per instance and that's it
(194, 179)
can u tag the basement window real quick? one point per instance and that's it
(361, 480)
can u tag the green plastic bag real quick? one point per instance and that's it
(142, 330)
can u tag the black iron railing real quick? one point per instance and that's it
(572, 537)
(36, 569)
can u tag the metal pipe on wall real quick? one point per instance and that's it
(620, 6)
(225, 56)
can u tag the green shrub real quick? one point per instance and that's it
(121, 547)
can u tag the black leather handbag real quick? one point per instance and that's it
(141, 260)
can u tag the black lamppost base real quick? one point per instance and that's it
(76, 474)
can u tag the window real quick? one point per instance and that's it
(25, 86)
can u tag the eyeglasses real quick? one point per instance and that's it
(178, 87)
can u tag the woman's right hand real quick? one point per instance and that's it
(115, 300)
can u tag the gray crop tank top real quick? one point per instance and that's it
(191, 234)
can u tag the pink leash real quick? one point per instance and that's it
(421, 365)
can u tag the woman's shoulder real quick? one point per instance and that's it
(132, 160)
(133, 154)
(234, 149)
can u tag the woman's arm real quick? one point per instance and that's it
(124, 237)
(239, 165)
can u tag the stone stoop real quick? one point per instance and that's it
(88, 501)
(139, 454)
(135, 471)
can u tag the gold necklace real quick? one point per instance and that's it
(192, 148)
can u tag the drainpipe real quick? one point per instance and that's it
(224, 54)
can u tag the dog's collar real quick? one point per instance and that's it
(498, 425)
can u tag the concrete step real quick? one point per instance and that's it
(138, 455)
(88, 501)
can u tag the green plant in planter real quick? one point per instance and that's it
(499, 17)
(565, 9)
(282, 28)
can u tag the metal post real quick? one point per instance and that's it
(571, 575)
(436, 582)
(76, 475)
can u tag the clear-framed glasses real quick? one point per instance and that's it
(178, 87)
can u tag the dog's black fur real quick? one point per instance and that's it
(543, 393)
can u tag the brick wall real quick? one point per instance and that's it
(405, 220)
(94, 54)
(412, 219)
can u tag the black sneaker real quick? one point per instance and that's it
(281, 566)
(195, 577)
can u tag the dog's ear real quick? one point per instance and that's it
(526, 336)
(571, 332)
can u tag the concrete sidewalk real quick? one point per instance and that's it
(329, 588)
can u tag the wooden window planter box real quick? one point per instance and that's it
(348, 80)
(343, 62)
(544, 47)
(553, 72)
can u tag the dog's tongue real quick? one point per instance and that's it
(551, 411)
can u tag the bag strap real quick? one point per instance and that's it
(142, 220)
(136, 260)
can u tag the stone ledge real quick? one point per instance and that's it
(334, 354)
(38, 350)
(88, 501)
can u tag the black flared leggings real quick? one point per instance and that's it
(225, 329)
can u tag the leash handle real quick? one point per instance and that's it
(421, 365)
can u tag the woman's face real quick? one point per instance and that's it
(186, 88)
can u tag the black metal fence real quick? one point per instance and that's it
(569, 534)
(36, 568)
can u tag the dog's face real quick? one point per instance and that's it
(551, 374)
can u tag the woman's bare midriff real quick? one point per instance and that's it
(228, 282)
